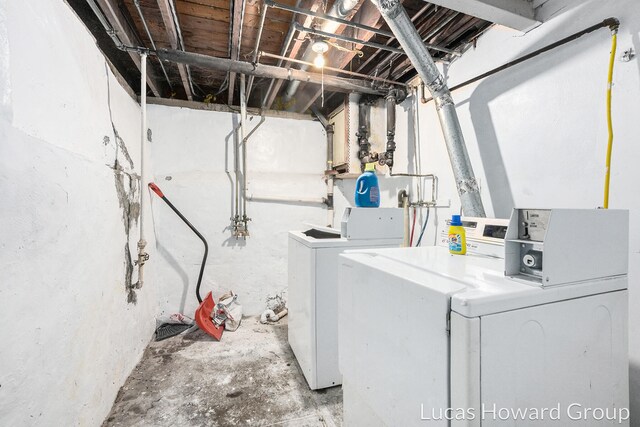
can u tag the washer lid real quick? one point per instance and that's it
(477, 284)
(341, 242)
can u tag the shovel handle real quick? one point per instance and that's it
(156, 189)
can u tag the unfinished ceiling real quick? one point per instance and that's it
(231, 28)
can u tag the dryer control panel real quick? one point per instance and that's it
(550, 247)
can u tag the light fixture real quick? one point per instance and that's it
(319, 46)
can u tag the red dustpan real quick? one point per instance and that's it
(203, 318)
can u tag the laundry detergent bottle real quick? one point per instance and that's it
(367, 189)
(457, 237)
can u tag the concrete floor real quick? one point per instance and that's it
(249, 378)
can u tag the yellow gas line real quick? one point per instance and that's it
(614, 41)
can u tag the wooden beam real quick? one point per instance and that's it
(127, 36)
(236, 31)
(172, 31)
(516, 14)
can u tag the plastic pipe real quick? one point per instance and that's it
(142, 243)
(607, 174)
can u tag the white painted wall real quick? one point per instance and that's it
(536, 133)
(69, 336)
(190, 151)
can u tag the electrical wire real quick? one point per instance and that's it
(413, 227)
(607, 175)
(357, 52)
(424, 226)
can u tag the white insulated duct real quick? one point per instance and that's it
(340, 9)
(400, 24)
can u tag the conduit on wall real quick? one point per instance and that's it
(401, 26)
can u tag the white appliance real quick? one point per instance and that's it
(430, 338)
(313, 285)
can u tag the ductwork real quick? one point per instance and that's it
(340, 9)
(400, 24)
(395, 96)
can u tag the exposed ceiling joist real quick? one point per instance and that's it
(516, 14)
(170, 25)
(126, 35)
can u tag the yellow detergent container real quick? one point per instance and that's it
(457, 238)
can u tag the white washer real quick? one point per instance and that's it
(422, 331)
(313, 286)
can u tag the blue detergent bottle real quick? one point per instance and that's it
(367, 189)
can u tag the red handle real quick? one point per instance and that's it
(156, 189)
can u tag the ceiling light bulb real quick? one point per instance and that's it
(319, 61)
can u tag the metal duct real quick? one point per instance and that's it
(340, 9)
(400, 24)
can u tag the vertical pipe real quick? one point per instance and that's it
(405, 207)
(142, 243)
(243, 121)
(257, 48)
(364, 111)
(236, 167)
(329, 173)
(400, 24)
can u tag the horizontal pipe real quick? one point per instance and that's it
(302, 28)
(611, 23)
(326, 17)
(260, 70)
(337, 70)
(296, 200)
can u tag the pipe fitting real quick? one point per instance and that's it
(393, 97)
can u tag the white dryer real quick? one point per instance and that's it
(428, 338)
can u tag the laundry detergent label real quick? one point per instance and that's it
(374, 194)
(455, 242)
